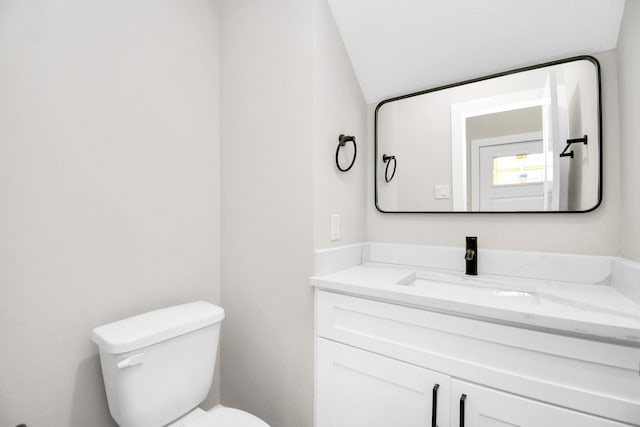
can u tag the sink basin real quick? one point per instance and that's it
(445, 285)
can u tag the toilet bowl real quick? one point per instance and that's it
(158, 366)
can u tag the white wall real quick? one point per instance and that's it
(288, 91)
(339, 107)
(524, 120)
(109, 187)
(267, 209)
(591, 233)
(629, 71)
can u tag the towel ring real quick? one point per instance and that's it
(342, 141)
(387, 159)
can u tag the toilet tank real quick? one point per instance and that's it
(159, 365)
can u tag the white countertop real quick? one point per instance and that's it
(593, 311)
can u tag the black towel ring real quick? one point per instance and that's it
(387, 159)
(342, 141)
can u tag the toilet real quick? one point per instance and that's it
(158, 367)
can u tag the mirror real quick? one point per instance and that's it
(527, 140)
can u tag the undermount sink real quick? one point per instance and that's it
(471, 286)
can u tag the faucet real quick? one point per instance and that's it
(471, 256)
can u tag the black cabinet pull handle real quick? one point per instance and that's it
(434, 405)
(462, 399)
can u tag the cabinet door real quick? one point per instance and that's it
(485, 407)
(356, 388)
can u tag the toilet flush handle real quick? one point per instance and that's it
(136, 359)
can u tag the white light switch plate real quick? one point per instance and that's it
(441, 191)
(335, 227)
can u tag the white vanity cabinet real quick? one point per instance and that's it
(360, 388)
(377, 364)
(486, 407)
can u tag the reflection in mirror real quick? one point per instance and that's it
(495, 144)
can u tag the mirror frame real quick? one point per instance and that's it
(589, 58)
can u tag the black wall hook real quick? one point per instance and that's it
(572, 141)
(387, 159)
(342, 141)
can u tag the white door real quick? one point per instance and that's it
(485, 407)
(518, 186)
(356, 388)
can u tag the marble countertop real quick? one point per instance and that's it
(592, 311)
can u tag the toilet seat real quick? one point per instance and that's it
(221, 416)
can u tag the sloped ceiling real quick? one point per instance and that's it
(402, 46)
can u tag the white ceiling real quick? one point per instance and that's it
(403, 46)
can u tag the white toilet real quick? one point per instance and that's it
(158, 367)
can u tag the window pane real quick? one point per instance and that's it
(519, 169)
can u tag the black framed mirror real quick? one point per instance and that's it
(525, 140)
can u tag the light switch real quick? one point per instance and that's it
(441, 191)
(335, 227)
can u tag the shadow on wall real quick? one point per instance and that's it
(89, 406)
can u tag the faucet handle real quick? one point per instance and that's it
(469, 254)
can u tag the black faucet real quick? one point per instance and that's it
(471, 256)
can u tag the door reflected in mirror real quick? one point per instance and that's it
(527, 140)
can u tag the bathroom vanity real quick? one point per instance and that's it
(403, 338)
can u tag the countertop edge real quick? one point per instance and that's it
(610, 334)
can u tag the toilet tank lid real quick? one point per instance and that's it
(149, 328)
